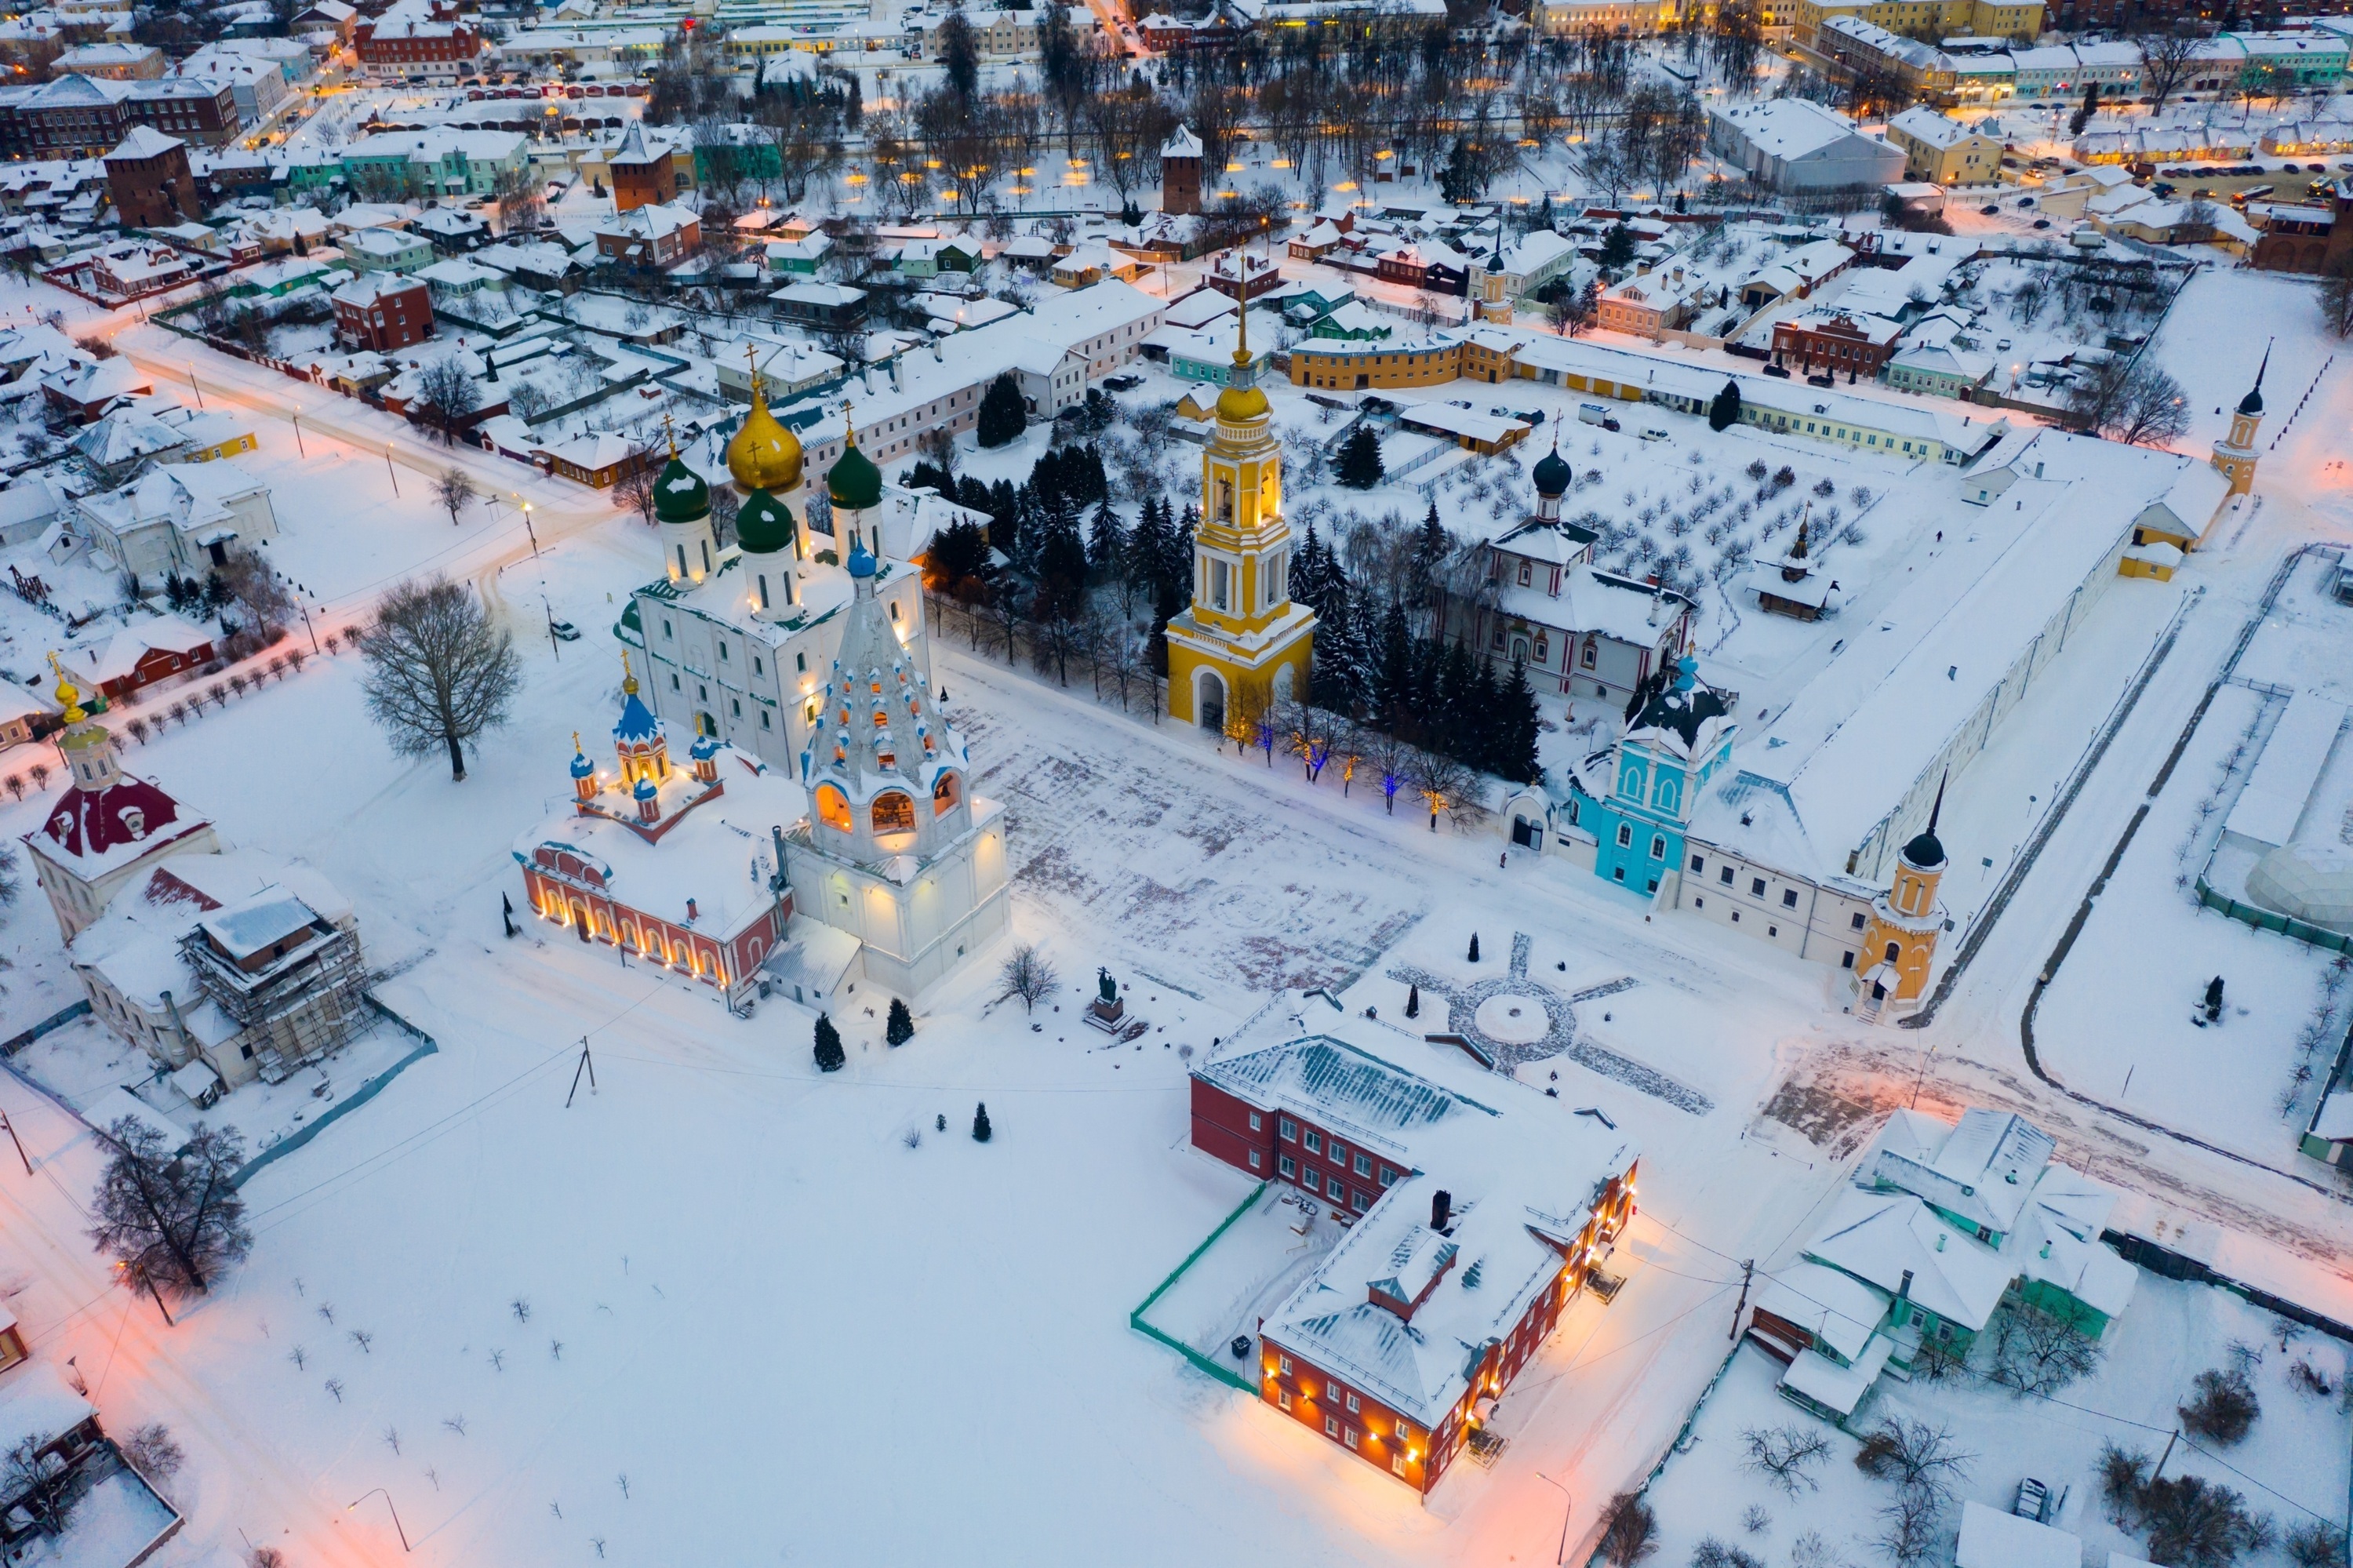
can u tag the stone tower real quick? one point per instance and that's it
(1242, 644)
(682, 514)
(1899, 940)
(1180, 173)
(2235, 454)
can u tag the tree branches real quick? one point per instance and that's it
(171, 1219)
(438, 673)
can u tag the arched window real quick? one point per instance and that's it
(945, 793)
(893, 813)
(1895, 950)
(833, 809)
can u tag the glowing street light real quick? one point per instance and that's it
(394, 1511)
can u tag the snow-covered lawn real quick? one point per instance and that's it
(2292, 1466)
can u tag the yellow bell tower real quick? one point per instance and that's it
(2236, 455)
(1899, 940)
(1242, 644)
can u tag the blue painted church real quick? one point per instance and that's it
(1637, 796)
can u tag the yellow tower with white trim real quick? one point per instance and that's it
(1242, 645)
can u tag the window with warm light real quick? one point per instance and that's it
(833, 809)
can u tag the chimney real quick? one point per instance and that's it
(689, 915)
(784, 878)
(1442, 1206)
(1904, 1290)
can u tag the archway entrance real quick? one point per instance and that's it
(1209, 702)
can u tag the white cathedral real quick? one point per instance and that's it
(818, 666)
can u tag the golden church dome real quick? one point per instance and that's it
(1238, 405)
(764, 454)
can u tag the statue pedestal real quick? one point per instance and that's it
(1111, 1017)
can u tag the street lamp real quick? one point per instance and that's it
(389, 1508)
(528, 530)
(388, 468)
(1568, 1507)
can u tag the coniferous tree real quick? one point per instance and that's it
(1517, 729)
(900, 1026)
(971, 492)
(1394, 666)
(1149, 544)
(1107, 545)
(1003, 415)
(1003, 515)
(1061, 567)
(1413, 1002)
(1725, 409)
(1474, 946)
(828, 1052)
(981, 1131)
(1358, 465)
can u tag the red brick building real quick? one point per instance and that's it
(641, 176)
(2306, 238)
(1835, 344)
(81, 117)
(655, 235)
(1474, 1208)
(383, 311)
(151, 182)
(1180, 173)
(416, 37)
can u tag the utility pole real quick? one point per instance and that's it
(587, 1064)
(388, 468)
(1747, 1273)
(2158, 1474)
(8, 1123)
(552, 639)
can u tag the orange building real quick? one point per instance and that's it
(1902, 928)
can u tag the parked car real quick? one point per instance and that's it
(564, 630)
(1780, 370)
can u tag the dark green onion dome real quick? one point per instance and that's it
(1552, 475)
(764, 525)
(679, 494)
(855, 483)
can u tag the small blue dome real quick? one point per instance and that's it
(1686, 674)
(647, 788)
(705, 746)
(582, 767)
(861, 564)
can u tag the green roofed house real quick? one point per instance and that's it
(1946, 1225)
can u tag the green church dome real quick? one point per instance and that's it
(679, 494)
(764, 525)
(855, 483)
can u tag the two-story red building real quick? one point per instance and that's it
(416, 37)
(1834, 342)
(383, 311)
(1475, 1209)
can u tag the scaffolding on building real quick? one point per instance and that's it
(291, 981)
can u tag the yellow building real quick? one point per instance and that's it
(1943, 151)
(1242, 645)
(1349, 365)
(2235, 456)
(1899, 940)
(1918, 19)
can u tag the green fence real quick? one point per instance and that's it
(1135, 1319)
(2272, 920)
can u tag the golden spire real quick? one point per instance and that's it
(575, 737)
(1241, 314)
(752, 362)
(848, 426)
(69, 694)
(629, 687)
(672, 436)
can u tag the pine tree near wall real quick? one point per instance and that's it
(1474, 946)
(830, 1058)
(981, 1131)
(1726, 410)
(1359, 463)
(1413, 1001)
(901, 1025)
(1003, 416)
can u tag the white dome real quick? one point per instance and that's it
(2313, 883)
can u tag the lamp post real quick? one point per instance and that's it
(1568, 1507)
(306, 624)
(194, 387)
(552, 641)
(389, 1508)
(388, 468)
(528, 530)
(300, 451)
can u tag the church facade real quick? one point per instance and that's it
(1241, 644)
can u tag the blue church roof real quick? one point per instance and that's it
(638, 721)
(861, 562)
(704, 745)
(581, 767)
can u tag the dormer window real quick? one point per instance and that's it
(134, 822)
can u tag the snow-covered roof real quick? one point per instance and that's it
(1979, 1171)
(1992, 1539)
(116, 1105)
(1523, 1173)
(1835, 1388)
(90, 832)
(1787, 128)
(1838, 1309)
(36, 1401)
(1890, 1240)
(2278, 789)
(123, 650)
(2057, 1242)
(1926, 126)
(144, 142)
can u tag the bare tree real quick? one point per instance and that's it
(453, 490)
(2039, 1353)
(172, 1218)
(438, 673)
(256, 589)
(1785, 1455)
(153, 1452)
(2165, 55)
(2223, 1409)
(446, 396)
(1908, 1526)
(1913, 1454)
(2131, 401)
(40, 1483)
(1391, 761)
(1027, 974)
(2197, 1525)
(635, 489)
(2336, 297)
(1443, 783)
(1629, 1530)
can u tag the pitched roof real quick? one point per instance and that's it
(144, 142)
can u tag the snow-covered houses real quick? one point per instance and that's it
(1943, 1225)
(1476, 1209)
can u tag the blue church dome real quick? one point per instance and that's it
(581, 767)
(647, 788)
(861, 562)
(637, 721)
(704, 748)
